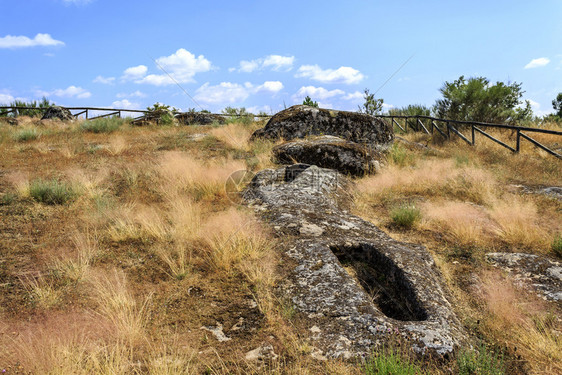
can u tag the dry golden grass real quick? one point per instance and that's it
(42, 291)
(235, 135)
(117, 305)
(523, 320)
(75, 267)
(466, 223)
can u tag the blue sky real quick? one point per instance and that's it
(264, 55)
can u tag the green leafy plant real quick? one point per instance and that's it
(103, 125)
(238, 115)
(480, 361)
(309, 102)
(25, 135)
(557, 105)
(161, 113)
(43, 103)
(405, 216)
(557, 245)
(476, 99)
(400, 155)
(371, 106)
(51, 192)
(389, 362)
(410, 110)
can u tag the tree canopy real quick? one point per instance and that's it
(475, 99)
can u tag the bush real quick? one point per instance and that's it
(238, 115)
(371, 106)
(390, 363)
(309, 102)
(476, 100)
(480, 361)
(51, 192)
(400, 155)
(405, 216)
(43, 103)
(557, 245)
(25, 135)
(102, 125)
(162, 113)
(411, 110)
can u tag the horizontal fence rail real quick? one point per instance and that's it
(416, 123)
(113, 112)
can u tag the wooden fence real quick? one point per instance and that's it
(430, 124)
(85, 111)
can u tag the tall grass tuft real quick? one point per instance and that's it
(405, 216)
(556, 245)
(480, 361)
(24, 135)
(51, 192)
(390, 362)
(103, 125)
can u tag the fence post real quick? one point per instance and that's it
(473, 139)
(448, 130)
(518, 140)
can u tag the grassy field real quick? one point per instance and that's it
(120, 250)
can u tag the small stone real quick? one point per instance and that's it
(217, 332)
(261, 353)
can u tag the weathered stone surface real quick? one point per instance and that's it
(354, 285)
(550, 191)
(329, 152)
(199, 118)
(300, 121)
(57, 112)
(532, 271)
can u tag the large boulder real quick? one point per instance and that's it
(300, 121)
(199, 118)
(329, 152)
(353, 286)
(56, 112)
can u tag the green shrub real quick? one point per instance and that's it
(7, 199)
(480, 361)
(25, 135)
(309, 102)
(390, 363)
(103, 125)
(557, 245)
(405, 216)
(163, 114)
(51, 191)
(239, 115)
(400, 155)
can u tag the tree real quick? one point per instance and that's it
(476, 99)
(371, 106)
(309, 102)
(557, 105)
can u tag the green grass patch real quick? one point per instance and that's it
(103, 125)
(556, 245)
(480, 361)
(24, 135)
(400, 156)
(390, 363)
(51, 192)
(405, 216)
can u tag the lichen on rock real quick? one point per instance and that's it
(354, 285)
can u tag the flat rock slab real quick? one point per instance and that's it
(301, 121)
(356, 287)
(532, 271)
(330, 152)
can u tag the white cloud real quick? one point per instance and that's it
(537, 63)
(343, 74)
(273, 62)
(354, 96)
(181, 65)
(136, 94)
(104, 80)
(69, 92)
(271, 86)
(125, 104)
(6, 98)
(228, 92)
(134, 73)
(316, 93)
(225, 92)
(10, 41)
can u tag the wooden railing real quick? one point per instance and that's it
(429, 125)
(85, 111)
